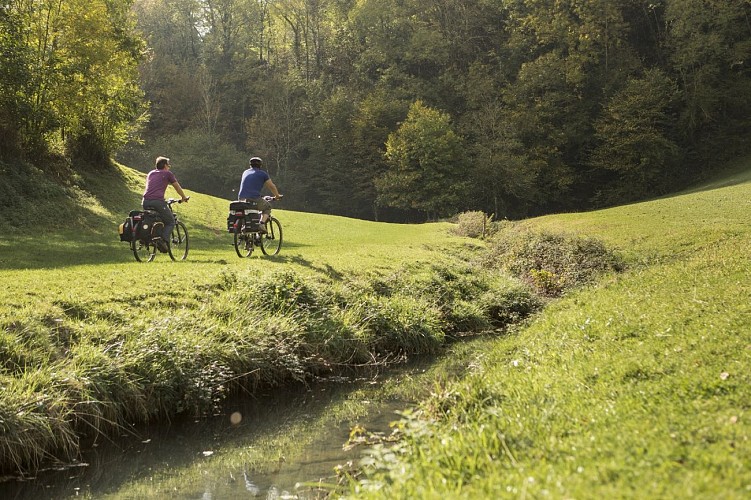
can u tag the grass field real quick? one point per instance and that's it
(92, 341)
(634, 386)
(637, 387)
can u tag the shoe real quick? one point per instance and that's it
(160, 244)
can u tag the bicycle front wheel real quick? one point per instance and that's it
(178, 243)
(243, 242)
(271, 242)
(143, 252)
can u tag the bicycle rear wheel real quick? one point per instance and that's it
(271, 242)
(143, 252)
(243, 242)
(178, 244)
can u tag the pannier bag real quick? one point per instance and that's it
(128, 229)
(243, 213)
(141, 225)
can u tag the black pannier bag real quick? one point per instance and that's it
(243, 212)
(129, 229)
(148, 225)
(126, 230)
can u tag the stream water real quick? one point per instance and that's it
(274, 446)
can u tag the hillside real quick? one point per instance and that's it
(633, 387)
(637, 387)
(93, 341)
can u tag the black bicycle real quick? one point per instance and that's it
(244, 222)
(147, 226)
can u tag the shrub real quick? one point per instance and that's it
(551, 263)
(473, 224)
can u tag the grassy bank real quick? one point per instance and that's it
(92, 342)
(636, 387)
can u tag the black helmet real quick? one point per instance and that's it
(256, 161)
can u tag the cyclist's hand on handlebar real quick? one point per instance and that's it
(185, 199)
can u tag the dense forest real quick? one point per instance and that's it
(386, 109)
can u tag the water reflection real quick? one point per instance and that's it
(209, 458)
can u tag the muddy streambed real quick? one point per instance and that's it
(276, 445)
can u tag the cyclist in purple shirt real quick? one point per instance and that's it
(254, 179)
(153, 197)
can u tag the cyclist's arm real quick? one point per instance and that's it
(272, 187)
(179, 190)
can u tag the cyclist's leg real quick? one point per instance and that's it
(165, 214)
(265, 208)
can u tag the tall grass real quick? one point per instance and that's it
(183, 355)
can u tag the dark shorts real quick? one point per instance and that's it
(263, 205)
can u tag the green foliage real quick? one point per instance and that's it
(634, 136)
(554, 105)
(82, 81)
(706, 45)
(473, 224)
(14, 74)
(550, 262)
(425, 158)
(201, 161)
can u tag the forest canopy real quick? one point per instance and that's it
(388, 109)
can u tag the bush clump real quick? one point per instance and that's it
(473, 224)
(550, 262)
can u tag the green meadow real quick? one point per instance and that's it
(628, 381)
(93, 342)
(637, 386)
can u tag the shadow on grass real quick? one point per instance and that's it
(58, 251)
(737, 172)
(300, 261)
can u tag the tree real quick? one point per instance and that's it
(634, 136)
(81, 88)
(503, 175)
(426, 167)
(709, 45)
(14, 76)
(276, 131)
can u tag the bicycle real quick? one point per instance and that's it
(143, 245)
(244, 222)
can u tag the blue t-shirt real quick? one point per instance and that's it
(252, 183)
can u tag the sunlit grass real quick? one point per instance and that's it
(636, 387)
(122, 342)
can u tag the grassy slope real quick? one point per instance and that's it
(81, 246)
(631, 388)
(91, 340)
(638, 387)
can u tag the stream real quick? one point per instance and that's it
(277, 445)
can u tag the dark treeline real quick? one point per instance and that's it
(389, 109)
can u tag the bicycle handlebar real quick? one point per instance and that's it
(271, 198)
(175, 200)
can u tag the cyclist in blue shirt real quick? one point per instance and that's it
(254, 179)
